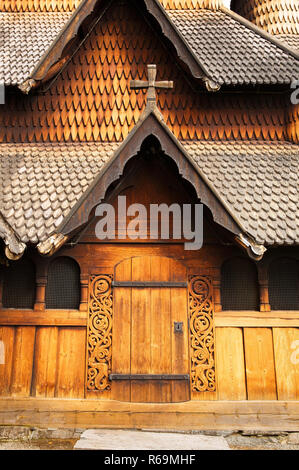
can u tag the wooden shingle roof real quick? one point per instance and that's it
(38, 5)
(217, 45)
(25, 37)
(41, 183)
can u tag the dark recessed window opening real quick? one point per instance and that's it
(239, 285)
(284, 284)
(19, 284)
(63, 284)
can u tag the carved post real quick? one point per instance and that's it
(264, 296)
(84, 293)
(217, 291)
(264, 291)
(40, 294)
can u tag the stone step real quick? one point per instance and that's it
(115, 439)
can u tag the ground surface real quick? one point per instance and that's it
(24, 438)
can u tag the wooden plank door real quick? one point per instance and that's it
(145, 343)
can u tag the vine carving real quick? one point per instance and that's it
(201, 334)
(99, 333)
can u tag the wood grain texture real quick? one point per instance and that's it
(286, 351)
(198, 415)
(7, 336)
(45, 362)
(257, 319)
(259, 359)
(22, 366)
(43, 318)
(150, 346)
(71, 363)
(121, 342)
(230, 364)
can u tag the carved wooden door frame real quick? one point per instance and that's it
(201, 333)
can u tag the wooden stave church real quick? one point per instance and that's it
(73, 350)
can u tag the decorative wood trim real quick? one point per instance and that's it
(150, 125)
(249, 319)
(201, 334)
(11, 317)
(99, 333)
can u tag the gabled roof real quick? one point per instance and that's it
(259, 181)
(49, 190)
(40, 183)
(218, 46)
(25, 37)
(232, 50)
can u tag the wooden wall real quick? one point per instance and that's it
(257, 363)
(43, 361)
(251, 363)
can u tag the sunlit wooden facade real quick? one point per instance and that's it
(144, 333)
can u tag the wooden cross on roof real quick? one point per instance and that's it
(151, 85)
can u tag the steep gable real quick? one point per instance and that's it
(91, 99)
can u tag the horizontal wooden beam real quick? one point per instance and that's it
(144, 284)
(279, 319)
(43, 318)
(149, 377)
(193, 415)
(284, 319)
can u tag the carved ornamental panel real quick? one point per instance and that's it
(202, 340)
(99, 333)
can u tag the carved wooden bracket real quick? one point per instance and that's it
(99, 332)
(202, 336)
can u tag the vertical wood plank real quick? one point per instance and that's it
(141, 329)
(286, 351)
(179, 341)
(230, 365)
(71, 363)
(7, 335)
(121, 339)
(45, 362)
(259, 360)
(23, 361)
(160, 344)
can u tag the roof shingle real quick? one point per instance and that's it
(25, 37)
(260, 183)
(231, 52)
(41, 183)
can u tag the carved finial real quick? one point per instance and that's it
(151, 85)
